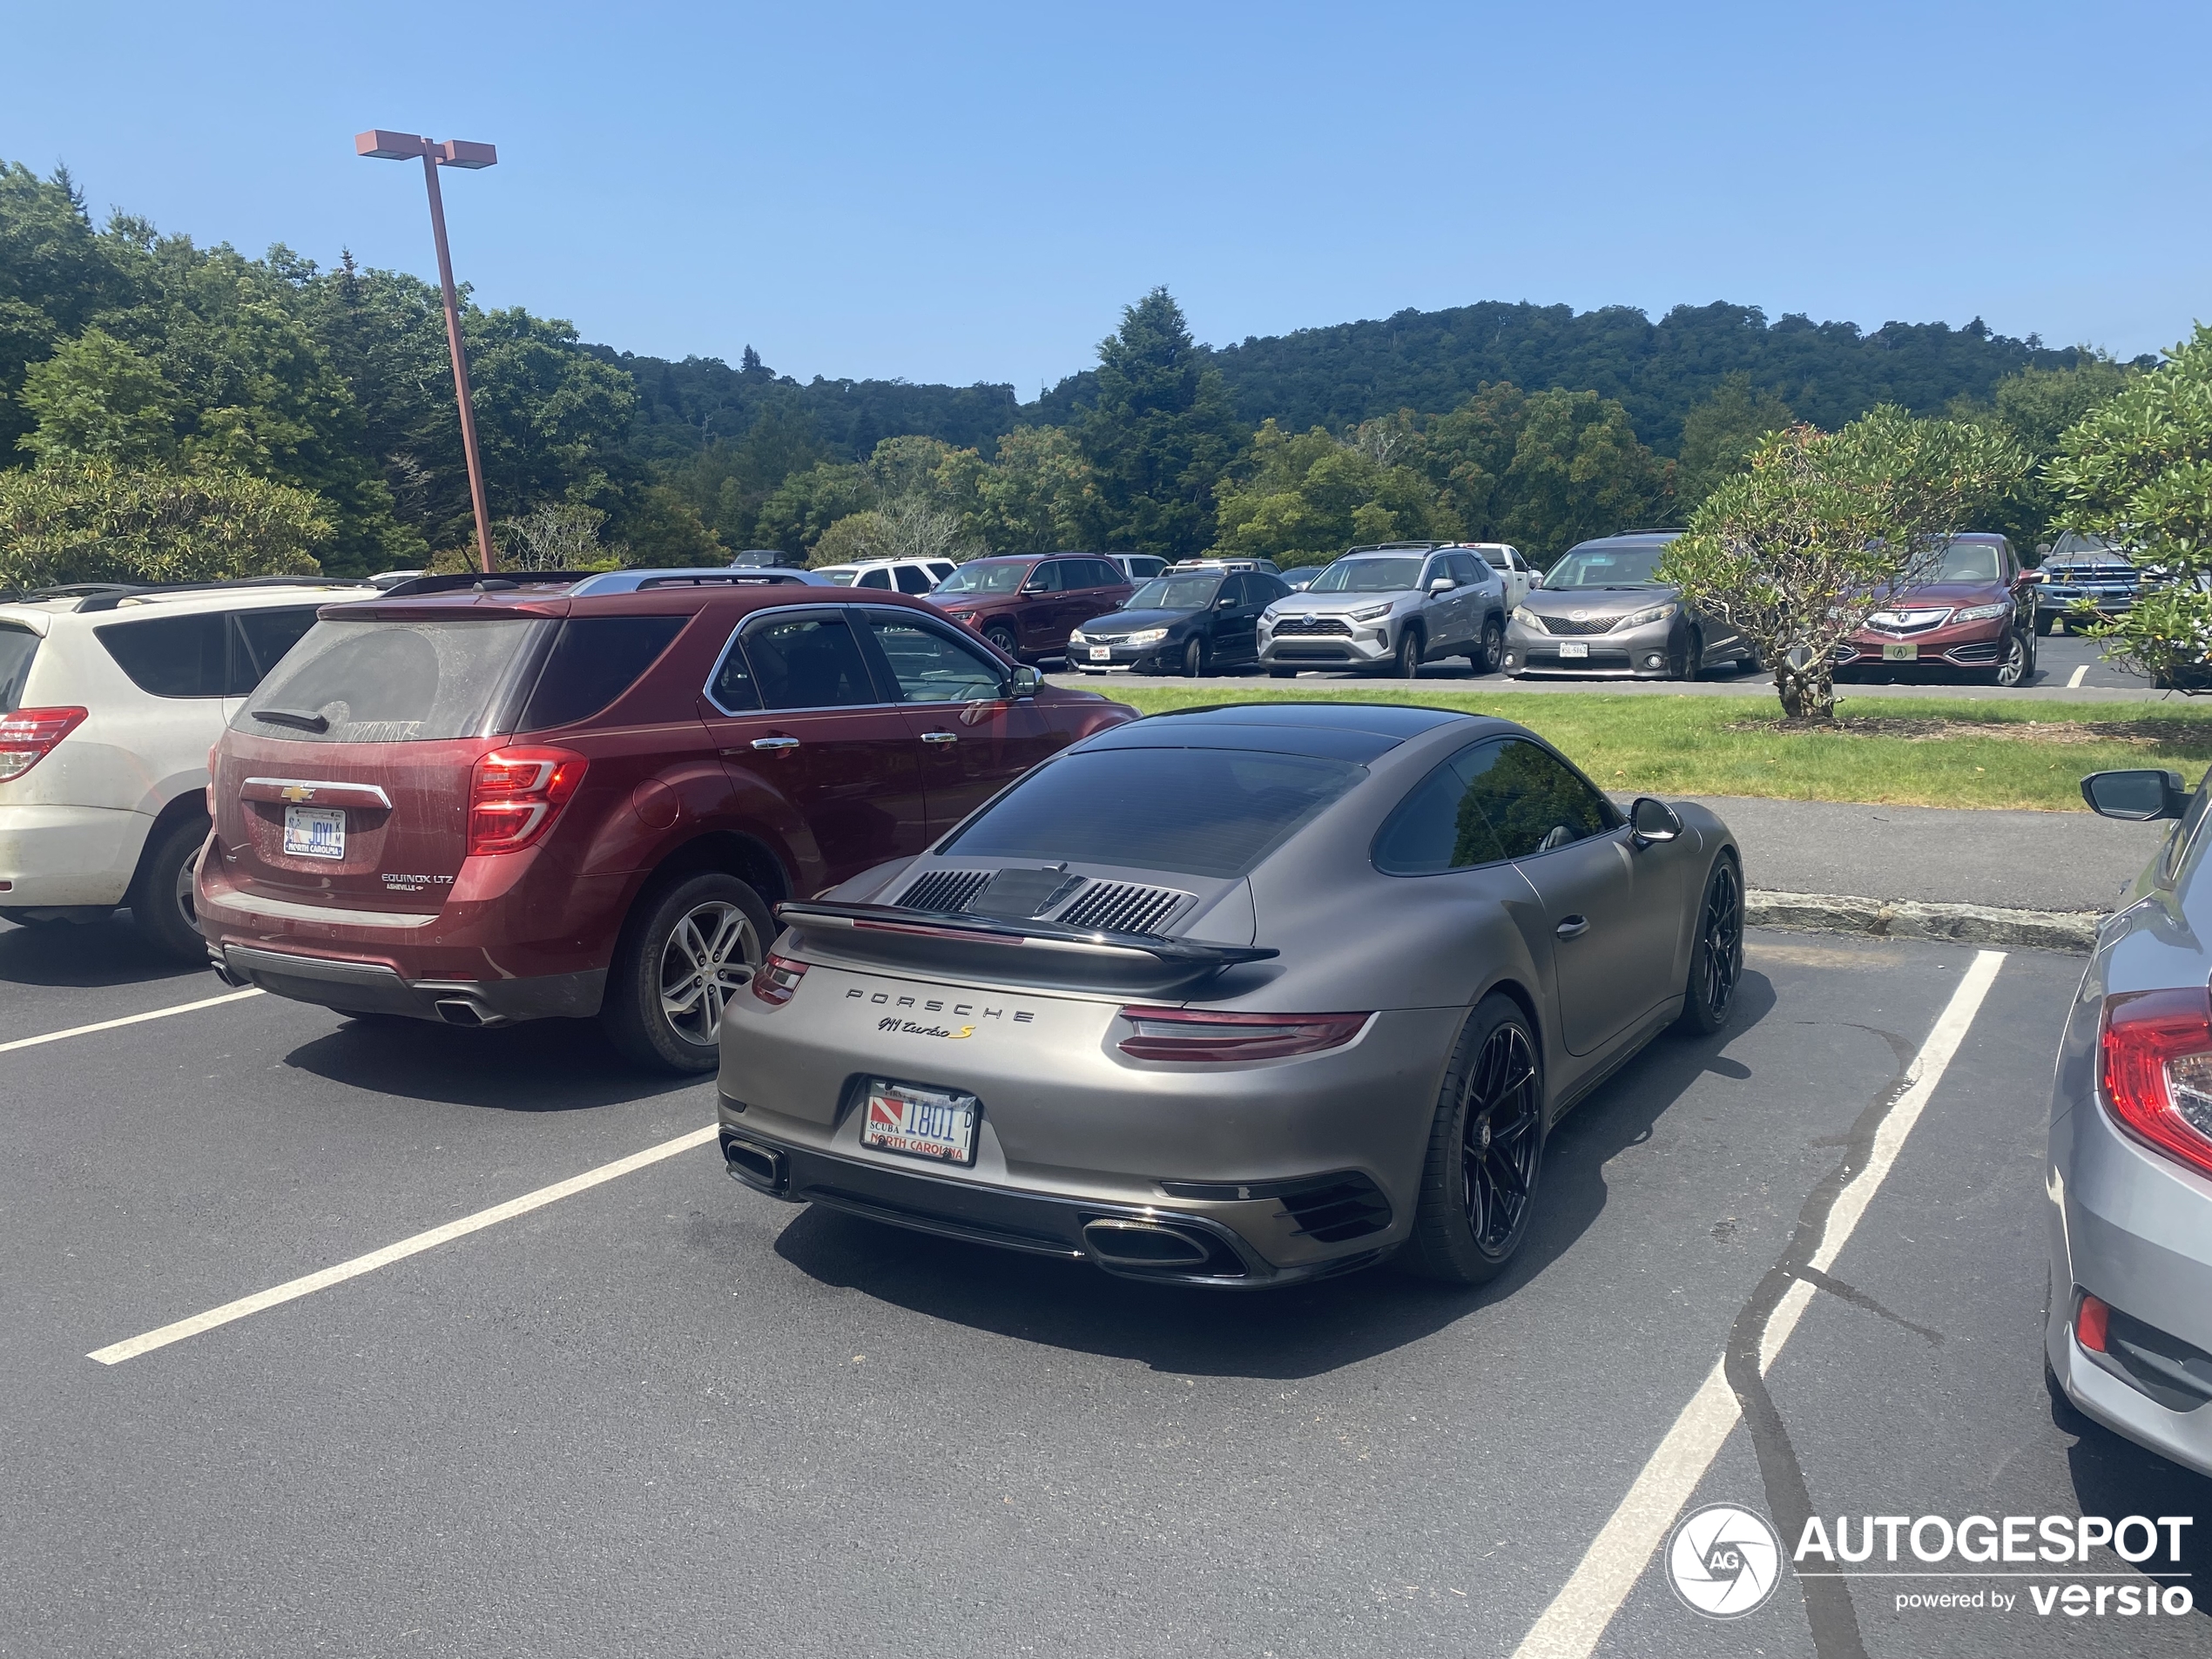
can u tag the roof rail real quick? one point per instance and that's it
(1396, 547)
(416, 587)
(106, 596)
(765, 575)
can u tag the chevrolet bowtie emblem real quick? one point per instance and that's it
(297, 791)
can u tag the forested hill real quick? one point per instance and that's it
(1431, 361)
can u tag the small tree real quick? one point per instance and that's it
(553, 535)
(93, 522)
(2138, 470)
(1823, 530)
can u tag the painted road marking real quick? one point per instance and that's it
(291, 1290)
(129, 1019)
(1575, 1622)
(2080, 674)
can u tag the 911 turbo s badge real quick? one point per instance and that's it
(916, 1029)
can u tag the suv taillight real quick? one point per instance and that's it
(2155, 1076)
(28, 736)
(1204, 1034)
(515, 794)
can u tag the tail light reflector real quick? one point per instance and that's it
(777, 979)
(515, 794)
(2092, 1324)
(1211, 1035)
(28, 736)
(2156, 1073)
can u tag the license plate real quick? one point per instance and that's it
(1901, 653)
(934, 1123)
(314, 832)
(1102, 653)
(1574, 648)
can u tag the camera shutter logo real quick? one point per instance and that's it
(1724, 1562)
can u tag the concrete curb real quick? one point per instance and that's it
(2073, 931)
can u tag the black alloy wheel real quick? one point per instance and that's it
(2015, 665)
(1194, 659)
(161, 896)
(1406, 662)
(1485, 1152)
(1716, 958)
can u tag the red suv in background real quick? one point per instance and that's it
(482, 802)
(1972, 608)
(1028, 606)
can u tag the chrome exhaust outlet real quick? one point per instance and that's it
(1144, 1243)
(459, 1010)
(761, 1168)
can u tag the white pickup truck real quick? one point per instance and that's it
(1512, 569)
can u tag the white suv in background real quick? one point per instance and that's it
(110, 699)
(898, 575)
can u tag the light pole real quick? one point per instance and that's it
(454, 152)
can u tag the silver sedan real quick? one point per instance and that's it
(1234, 997)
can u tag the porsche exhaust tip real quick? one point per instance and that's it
(1123, 1243)
(761, 1168)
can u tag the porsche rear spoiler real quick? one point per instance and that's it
(984, 942)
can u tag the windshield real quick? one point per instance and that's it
(1962, 561)
(2072, 545)
(843, 579)
(1612, 567)
(1369, 575)
(391, 682)
(1183, 812)
(1174, 593)
(986, 577)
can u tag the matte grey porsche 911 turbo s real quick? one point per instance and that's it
(1234, 997)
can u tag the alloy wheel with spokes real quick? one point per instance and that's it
(2013, 669)
(1502, 1141)
(686, 948)
(705, 961)
(1716, 958)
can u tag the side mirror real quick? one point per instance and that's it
(1442, 584)
(2029, 578)
(1024, 682)
(1224, 602)
(1652, 821)
(2138, 796)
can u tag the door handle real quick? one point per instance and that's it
(1574, 927)
(941, 737)
(775, 744)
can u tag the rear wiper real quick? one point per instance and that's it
(292, 717)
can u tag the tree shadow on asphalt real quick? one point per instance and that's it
(89, 956)
(545, 1065)
(1302, 1332)
(2114, 1477)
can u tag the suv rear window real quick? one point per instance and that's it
(1185, 812)
(394, 682)
(18, 647)
(210, 653)
(594, 662)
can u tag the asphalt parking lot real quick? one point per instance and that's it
(668, 1415)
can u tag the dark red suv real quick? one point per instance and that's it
(1028, 606)
(501, 801)
(1972, 607)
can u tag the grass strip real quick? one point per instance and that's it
(1915, 751)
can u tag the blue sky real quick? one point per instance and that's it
(970, 193)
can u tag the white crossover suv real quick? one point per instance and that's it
(109, 700)
(901, 576)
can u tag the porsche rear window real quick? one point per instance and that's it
(394, 682)
(1179, 811)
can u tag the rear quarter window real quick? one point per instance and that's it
(595, 661)
(383, 681)
(173, 656)
(18, 647)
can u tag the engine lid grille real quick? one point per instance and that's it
(945, 891)
(1121, 907)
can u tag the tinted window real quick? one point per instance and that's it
(986, 576)
(913, 579)
(1268, 589)
(18, 647)
(1495, 558)
(1464, 568)
(732, 685)
(173, 656)
(1174, 593)
(1532, 802)
(930, 668)
(1187, 812)
(875, 578)
(942, 568)
(393, 682)
(808, 663)
(594, 662)
(1105, 573)
(1442, 825)
(1048, 577)
(261, 640)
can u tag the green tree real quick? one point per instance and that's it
(800, 509)
(100, 398)
(1304, 498)
(1159, 434)
(92, 520)
(2137, 469)
(2038, 406)
(1467, 454)
(1824, 528)
(1719, 434)
(1037, 496)
(1577, 471)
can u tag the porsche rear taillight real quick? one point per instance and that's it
(2155, 1071)
(1223, 1037)
(777, 980)
(28, 736)
(514, 795)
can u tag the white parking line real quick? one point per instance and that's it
(1572, 1626)
(291, 1290)
(129, 1019)
(2080, 674)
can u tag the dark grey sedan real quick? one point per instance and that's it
(1236, 997)
(2129, 1334)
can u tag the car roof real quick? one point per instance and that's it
(1627, 538)
(638, 593)
(1357, 731)
(254, 593)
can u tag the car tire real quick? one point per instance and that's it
(1691, 665)
(655, 1014)
(1716, 954)
(2017, 664)
(1406, 661)
(1002, 636)
(1485, 1152)
(1485, 656)
(1282, 673)
(1194, 660)
(161, 892)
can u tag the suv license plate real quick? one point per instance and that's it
(934, 1123)
(1901, 653)
(1573, 648)
(314, 832)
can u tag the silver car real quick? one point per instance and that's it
(2128, 1337)
(1599, 611)
(1234, 997)
(1392, 606)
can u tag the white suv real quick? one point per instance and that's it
(110, 699)
(901, 576)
